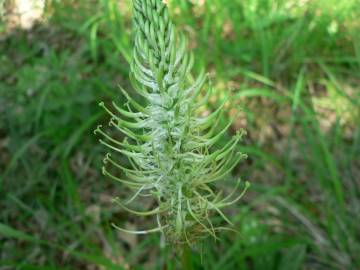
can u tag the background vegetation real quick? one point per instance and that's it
(293, 66)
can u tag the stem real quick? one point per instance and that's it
(186, 262)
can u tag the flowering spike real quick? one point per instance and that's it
(169, 146)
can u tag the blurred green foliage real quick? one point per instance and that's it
(293, 66)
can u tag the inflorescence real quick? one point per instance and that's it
(168, 146)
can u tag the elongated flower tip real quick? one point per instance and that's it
(103, 170)
(240, 133)
(97, 130)
(107, 157)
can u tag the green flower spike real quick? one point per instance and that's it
(167, 144)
